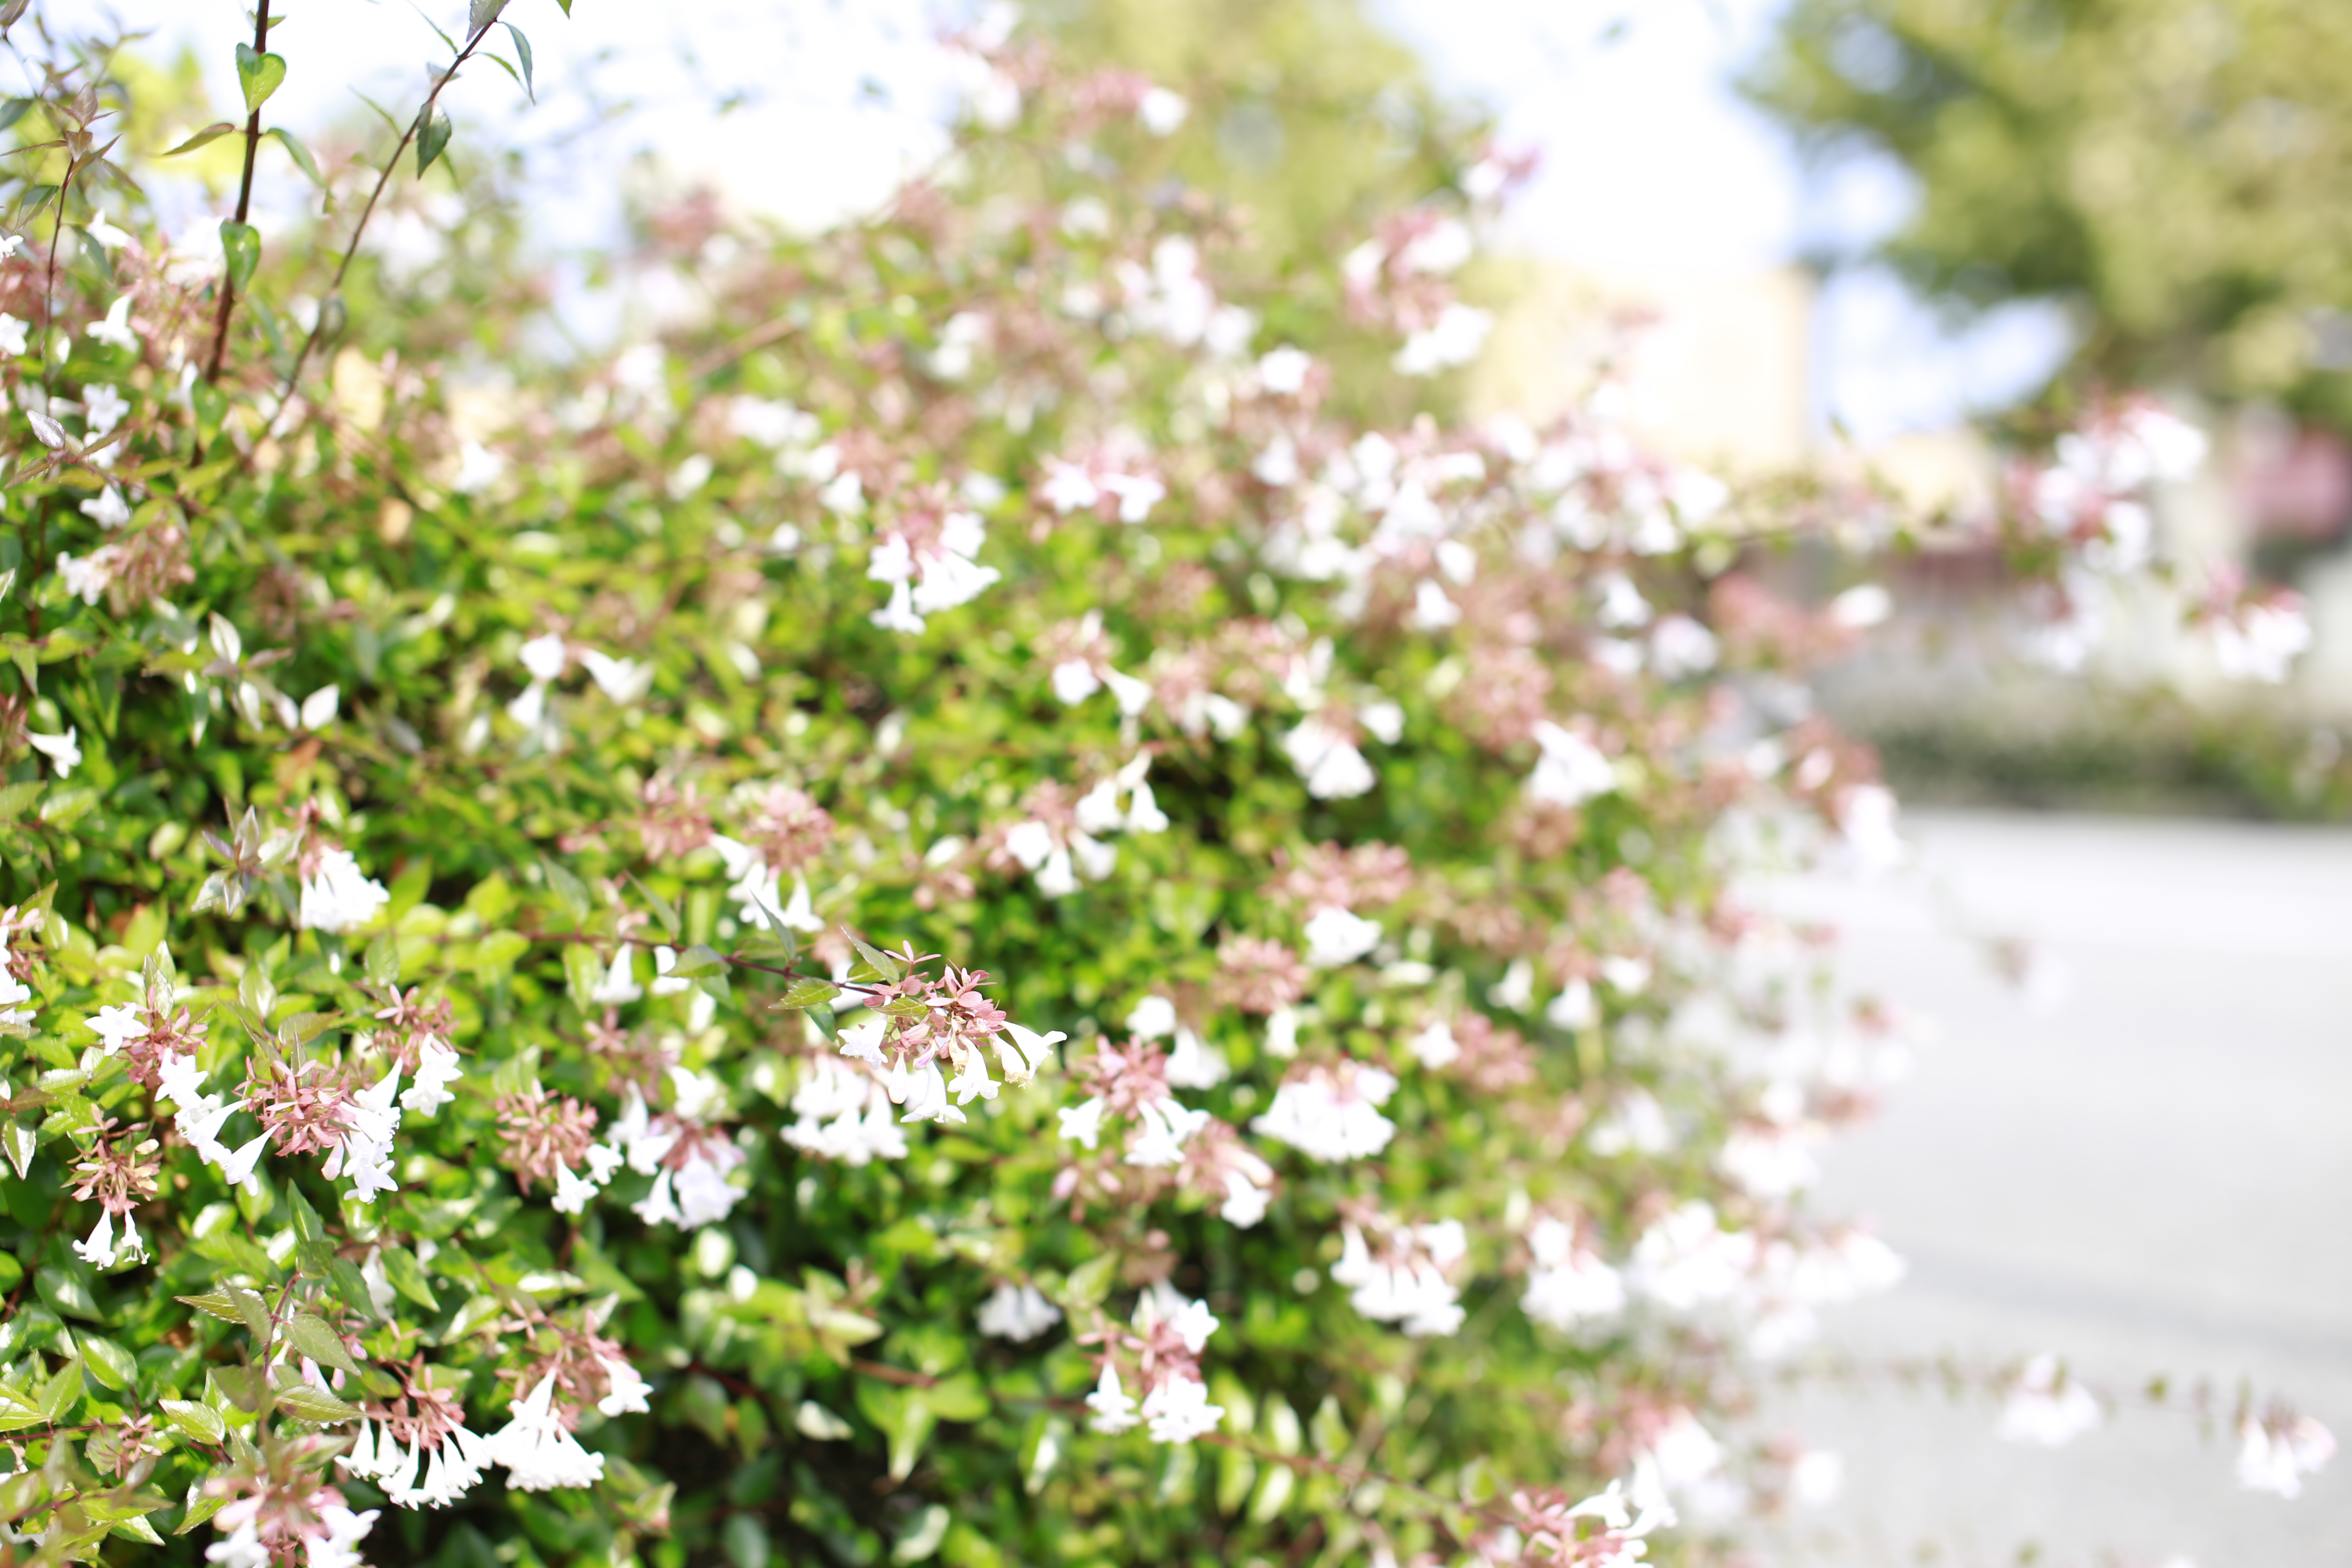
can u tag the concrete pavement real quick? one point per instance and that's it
(2148, 1171)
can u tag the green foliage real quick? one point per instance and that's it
(2168, 164)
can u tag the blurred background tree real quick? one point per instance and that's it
(2176, 168)
(1309, 114)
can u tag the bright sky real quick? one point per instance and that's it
(1650, 160)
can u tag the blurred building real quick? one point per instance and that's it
(1721, 368)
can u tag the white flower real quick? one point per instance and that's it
(1016, 1312)
(108, 510)
(1114, 1412)
(628, 1390)
(2261, 643)
(12, 331)
(1074, 681)
(339, 895)
(545, 657)
(115, 331)
(97, 1250)
(1572, 769)
(64, 751)
(13, 994)
(1682, 1259)
(571, 1192)
(1082, 1122)
(1436, 1045)
(619, 985)
(1332, 1115)
(2275, 1458)
(1179, 1410)
(1161, 111)
(624, 680)
(1413, 1295)
(1866, 819)
(117, 1024)
(86, 577)
(437, 1069)
(843, 1113)
(1137, 495)
(1567, 1284)
(1453, 339)
(1153, 1018)
(2047, 1407)
(971, 1080)
(1067, 487)
(924, 1094)
(103, 408)
(112, 238)
(1330, 763)
(1161, 1128)
(538, 1453)
(1194, 1063)
(1432, 610)
(1282, 371)
(1681, 647)
(478, 469)
(1036, 1051)
(1336, 936)
(239, 1165)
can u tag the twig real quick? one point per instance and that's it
(351, 250)
(244, 204)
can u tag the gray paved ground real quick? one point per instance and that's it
(2153, 1176)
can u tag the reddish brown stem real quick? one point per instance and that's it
(244, 202)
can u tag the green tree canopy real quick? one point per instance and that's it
(2174, 165)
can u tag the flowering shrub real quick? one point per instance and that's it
(929, 913)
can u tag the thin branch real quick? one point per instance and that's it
(244, 204)
(351, 250)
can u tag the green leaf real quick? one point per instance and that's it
(698, 960)
(494, 956)
(108, 1363)
(313, 1338)
(402, 1271)
(307, 1224)
(241, 243)
(68, 1291)
(808, 994)
(570, 889)
(198, 1420)
(906, 1420)
(136, 1528)
(300, 153)
(257, 76)
(664, 911)
(233, 1304)
(15, 109)
(15, 797)
(432, 137)
(1089, 1282)
(582, 974)
(481, 14)
(383, 960)
(881, 962)
(957, 1398)
(352, 1285)
(57, 1395)
(522, 52)
(204, 138)
(19, 1142)
(202, 1503)
(309, 1402)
